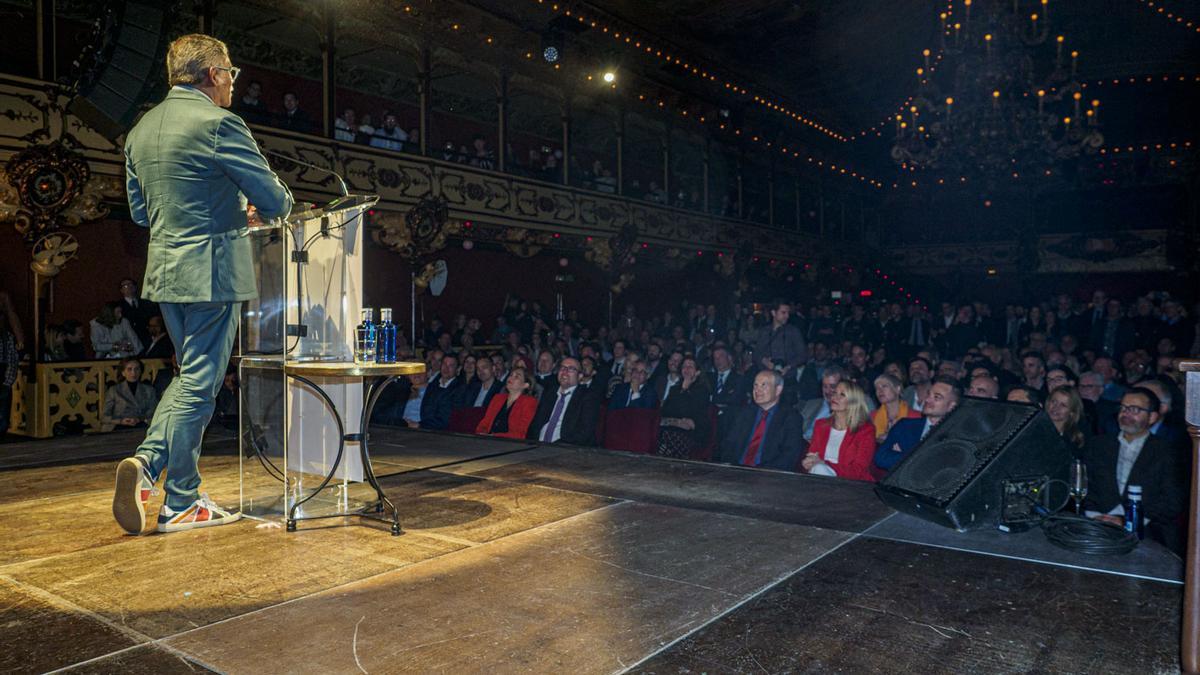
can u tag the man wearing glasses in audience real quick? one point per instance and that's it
(1134, 456)
(569, 413)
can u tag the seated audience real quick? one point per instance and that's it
(670, 379)
(389, 136)
(765, 434)
(250, 105)
(941, 400)
(920, 372)
(566, 413)
(293, 118)
(112, 335)
(159, 345)
(636, 393)
(684, 427)
(1024, 394)
(891, 407)
(344, 127)
(843, 444)
(419, 384)
(546, 374)
(136, 309)
(1065, 410)
(1134, 456)
(130, 403)
(509, 415)
(483, 386)
(984, 386)
(818, 408)
(442, 396)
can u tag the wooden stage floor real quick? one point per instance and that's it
(554, 560)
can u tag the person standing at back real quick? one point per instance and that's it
(191, 167)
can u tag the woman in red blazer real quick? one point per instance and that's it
(509, 416)
(843, 444)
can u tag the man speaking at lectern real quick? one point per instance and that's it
(190, 168)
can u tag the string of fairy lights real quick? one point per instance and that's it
(1161, 9)
(931, 59)
(647, 46)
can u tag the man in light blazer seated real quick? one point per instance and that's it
(191, 167)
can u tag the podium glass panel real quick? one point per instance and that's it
(309, 273)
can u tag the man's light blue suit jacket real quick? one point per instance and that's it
(190, 167)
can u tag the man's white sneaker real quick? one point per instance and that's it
(202, 513)
(133, 490)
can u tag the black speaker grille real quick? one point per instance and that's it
(958, 448)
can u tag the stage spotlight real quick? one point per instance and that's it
(609, 77)
(550, 54)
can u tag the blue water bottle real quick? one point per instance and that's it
(386, 339)
(1134, 520)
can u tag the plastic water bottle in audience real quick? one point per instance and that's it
(364, 338)
(386, 336)
(1134, 519)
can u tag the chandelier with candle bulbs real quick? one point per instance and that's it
(1003, 105)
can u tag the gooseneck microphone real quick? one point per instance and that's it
(331, 172)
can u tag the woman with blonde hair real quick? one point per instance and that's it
(843, 444)
(891, 406)
(1065, 409)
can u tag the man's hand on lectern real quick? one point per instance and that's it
(252, 217)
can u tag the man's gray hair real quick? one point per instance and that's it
(190, 57)
(776, 378)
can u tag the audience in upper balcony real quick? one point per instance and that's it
(293, 117)
(345, 127)
(250, 105)
(389, 136)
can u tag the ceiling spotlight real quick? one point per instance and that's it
(609, 76)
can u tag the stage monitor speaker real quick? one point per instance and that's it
(128, 66)
(955, 476)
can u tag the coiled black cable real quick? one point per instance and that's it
(1084, 535)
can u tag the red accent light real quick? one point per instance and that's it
(865, 293)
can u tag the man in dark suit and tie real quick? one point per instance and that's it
(137, 309)
(568, 414)
(1137, 457)
(766, 434)
(443, 395)
(730, 389)
(906, 434)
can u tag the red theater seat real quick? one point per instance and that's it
(464, 420)
(632, 429)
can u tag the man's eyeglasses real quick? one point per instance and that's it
(568, 369)
(1135, 409)
(233, 71)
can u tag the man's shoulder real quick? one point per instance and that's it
(909, 423)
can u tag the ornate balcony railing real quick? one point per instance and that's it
(34, 112)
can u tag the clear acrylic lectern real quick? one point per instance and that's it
(309, 270)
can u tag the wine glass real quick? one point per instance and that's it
(1079, 484)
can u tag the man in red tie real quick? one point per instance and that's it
(765, 434)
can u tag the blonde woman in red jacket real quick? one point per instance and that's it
(509, 416)
(843, 444)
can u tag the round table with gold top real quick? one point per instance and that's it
(377, 377)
